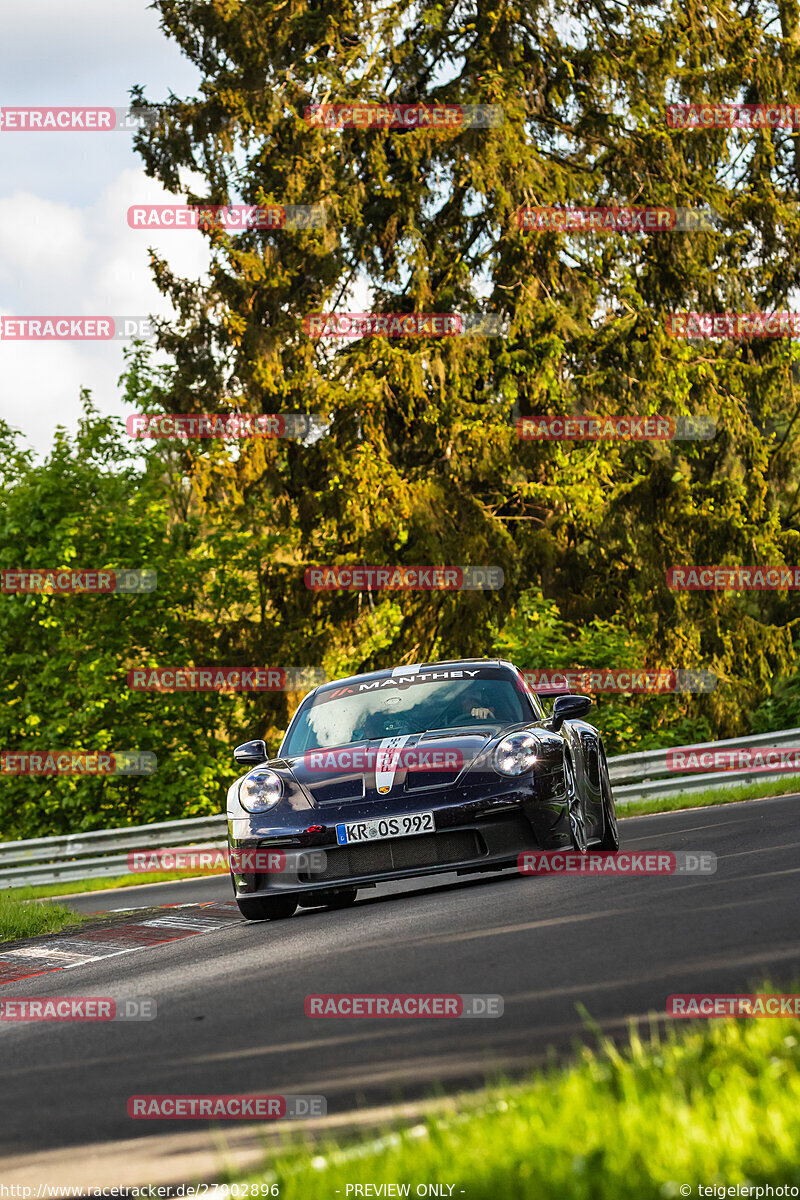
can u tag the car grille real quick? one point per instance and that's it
(425, 850)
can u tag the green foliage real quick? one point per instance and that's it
(65, 659)
(419, 461)
(535, 636)
(781, 710)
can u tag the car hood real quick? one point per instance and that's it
(380, 769)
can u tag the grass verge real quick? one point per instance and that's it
(714, 1102)
(727, 795)
(73, 886)
(21, 919)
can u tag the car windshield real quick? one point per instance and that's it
(385, 708)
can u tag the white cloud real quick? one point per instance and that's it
(59, 54)
(38, 236)
(61, 260)
(40, 386)
(65, 246)
(56, 53)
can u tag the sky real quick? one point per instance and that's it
(65, 245)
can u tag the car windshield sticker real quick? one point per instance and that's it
(408, 679)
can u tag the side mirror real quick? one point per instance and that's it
(250, 754)
(568, 708)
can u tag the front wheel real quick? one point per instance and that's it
(610, 840)
(577, 817)
(266, 908)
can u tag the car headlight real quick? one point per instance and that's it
(260, 790)
(516, 754)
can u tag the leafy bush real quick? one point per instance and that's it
(536, 636)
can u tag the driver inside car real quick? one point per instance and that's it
(472, 708)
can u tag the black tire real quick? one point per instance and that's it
(575, 811)
(610, 839)
(266, 908)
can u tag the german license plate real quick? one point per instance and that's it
(386, 827)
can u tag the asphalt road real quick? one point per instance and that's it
(230, 1002)
(173, 891)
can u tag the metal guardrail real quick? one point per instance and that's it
(95, 855)
(74, 855)
(645, 775)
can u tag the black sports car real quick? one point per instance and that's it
(449, 766)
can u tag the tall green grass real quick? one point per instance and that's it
(21, 918)
(714, 1102)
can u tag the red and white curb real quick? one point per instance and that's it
(60, 954)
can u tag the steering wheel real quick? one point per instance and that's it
(461, 707)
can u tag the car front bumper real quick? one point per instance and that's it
(465, 842)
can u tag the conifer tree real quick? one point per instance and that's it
(420, 461)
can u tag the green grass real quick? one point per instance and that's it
(711, 1102)
(73, 886)
(727, 795)
(21, 919)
